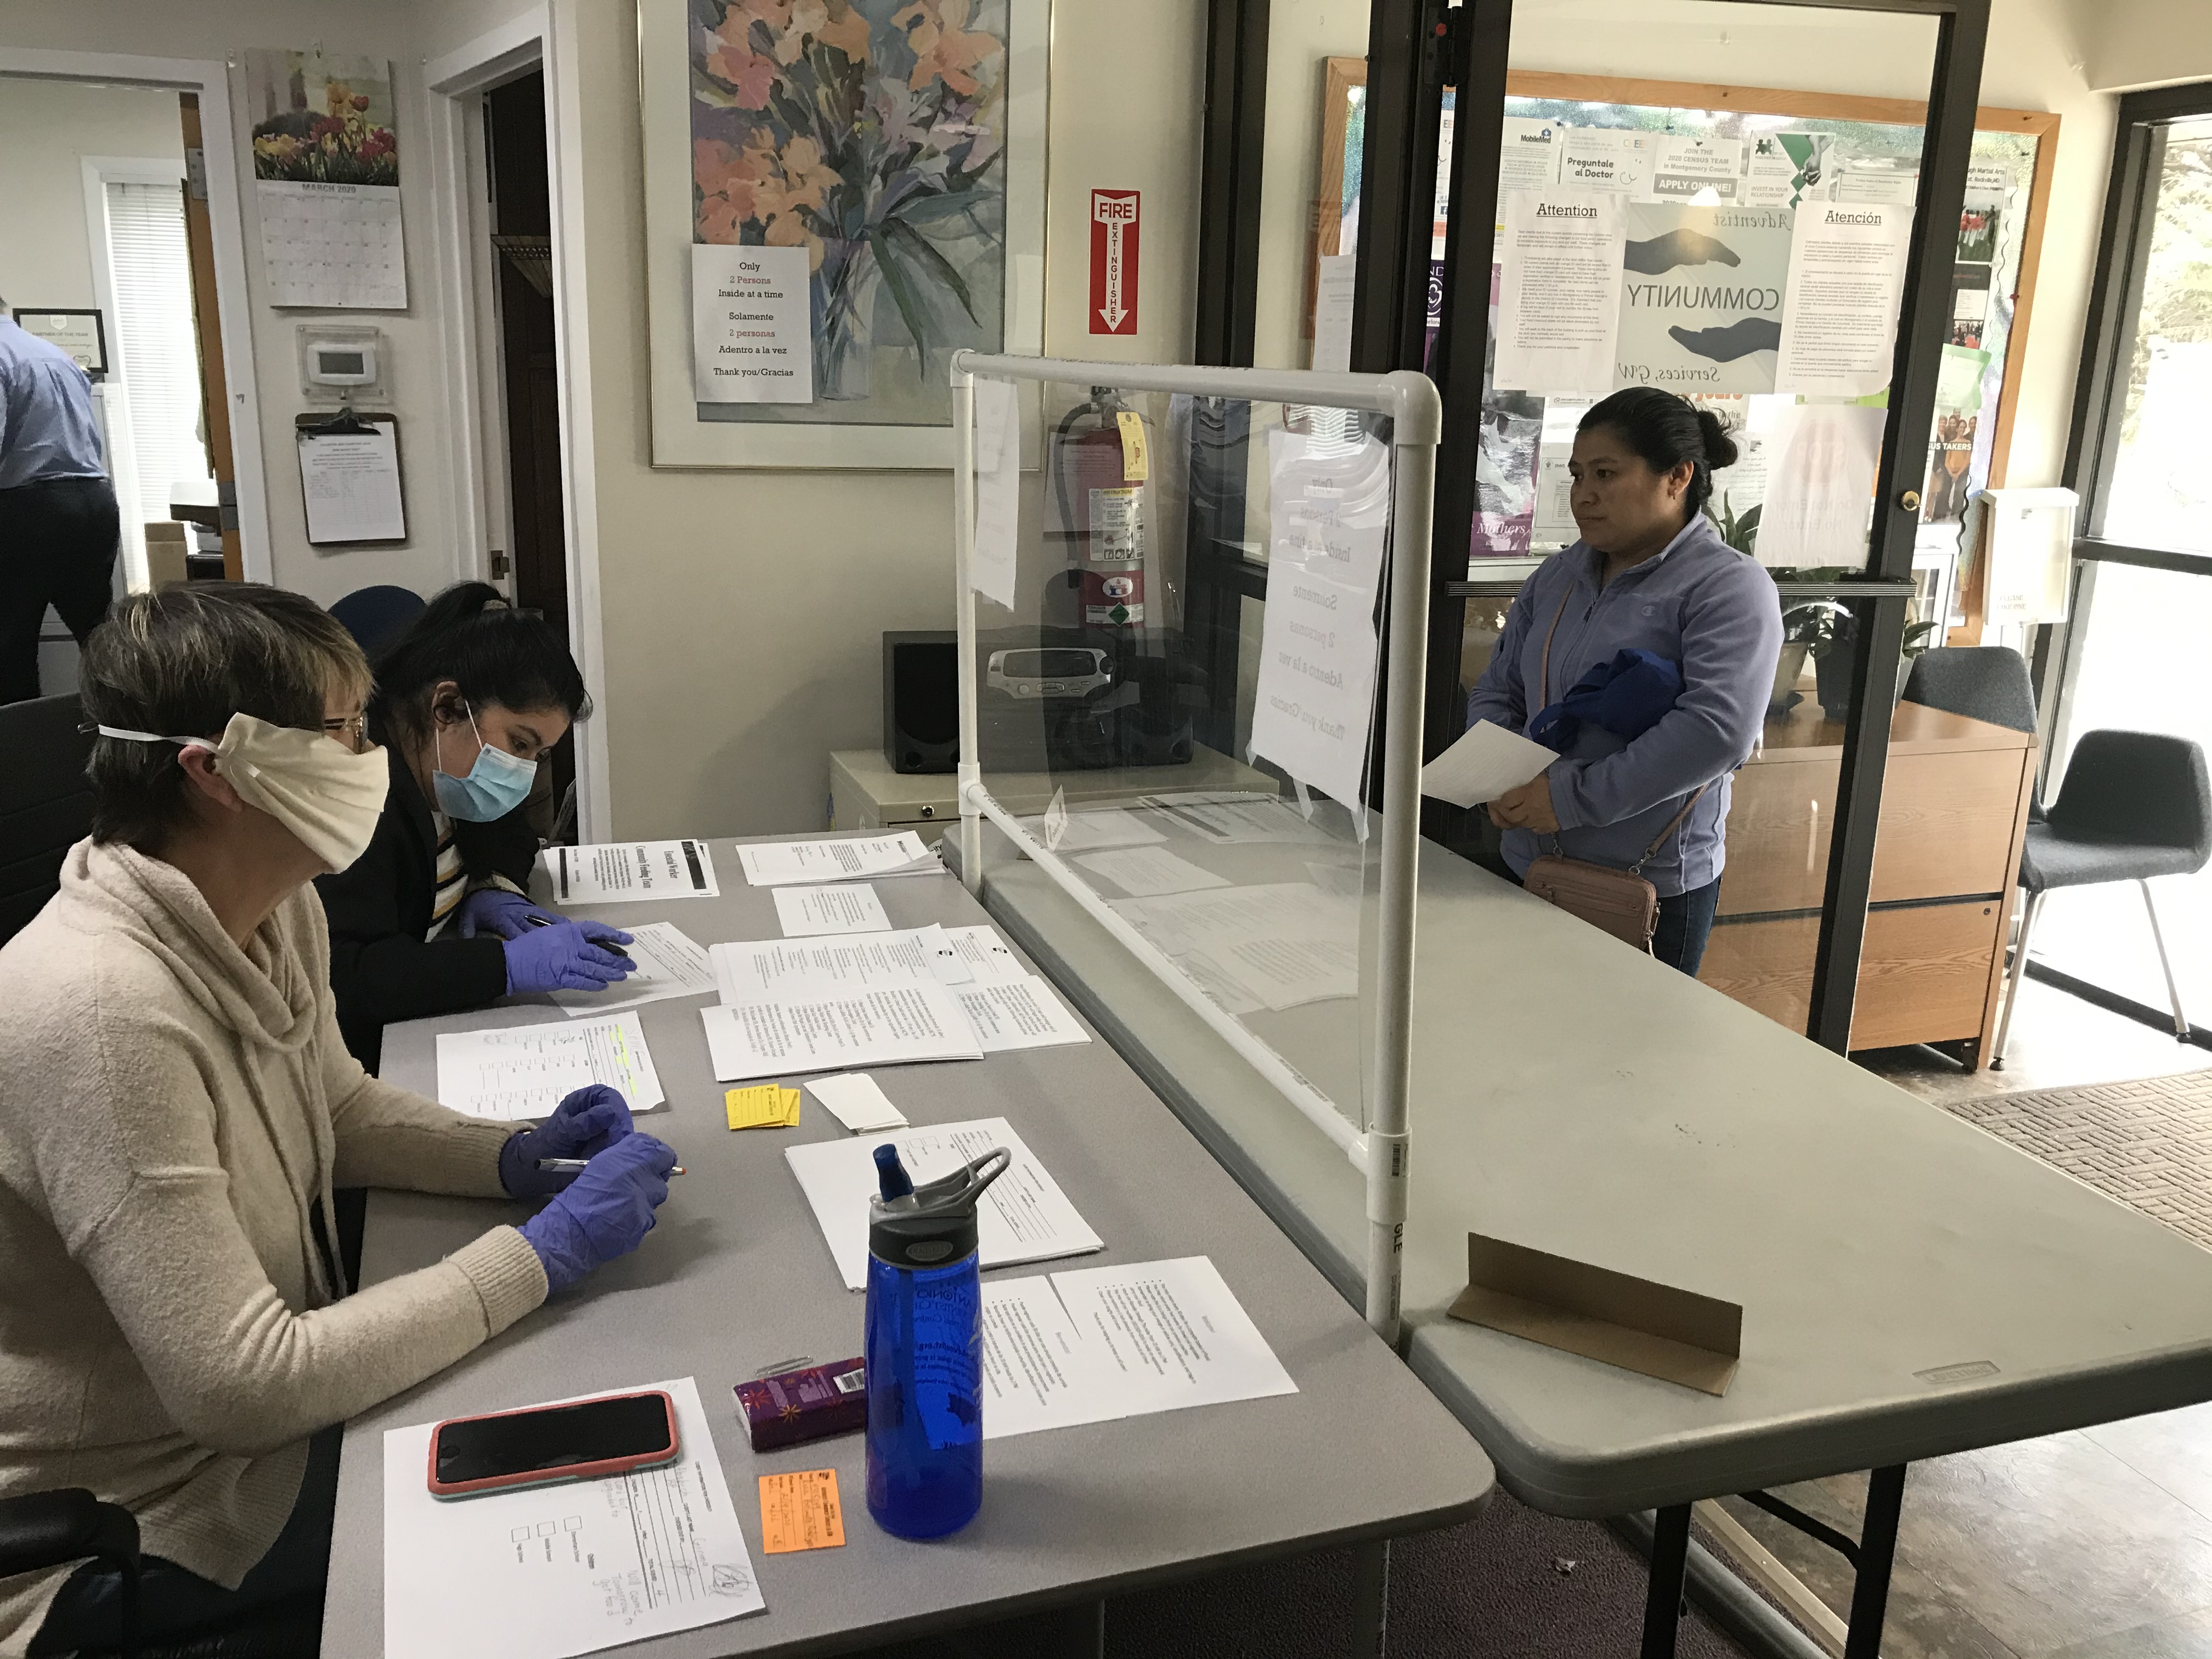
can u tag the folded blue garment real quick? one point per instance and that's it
(1626, 697)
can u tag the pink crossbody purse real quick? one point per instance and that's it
(1618, 901)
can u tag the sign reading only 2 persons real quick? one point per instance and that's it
(751, 339)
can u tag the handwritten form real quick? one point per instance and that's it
(519, 1072)
(548, 1571)
(1024, 1215)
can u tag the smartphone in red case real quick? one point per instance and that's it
(541, 1445)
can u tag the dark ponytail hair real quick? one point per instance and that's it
(496, 654)
(1666, 429)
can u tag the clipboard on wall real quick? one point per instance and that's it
(349, 479)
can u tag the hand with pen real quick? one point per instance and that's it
(601, 1210)
(545, 952)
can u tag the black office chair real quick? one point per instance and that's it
(45, 802)
(45, 1529)
(374, 616)
(1982, 682)
(2135, 805)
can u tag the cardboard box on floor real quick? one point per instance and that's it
(1675, 1335)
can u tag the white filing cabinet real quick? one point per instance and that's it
(864, 793)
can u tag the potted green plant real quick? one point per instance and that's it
(1813, 626)
(1833, 633)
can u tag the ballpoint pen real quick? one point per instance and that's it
(570, 1165)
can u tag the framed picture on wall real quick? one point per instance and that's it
(837, 197)
(82, 333)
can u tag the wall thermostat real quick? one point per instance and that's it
(342, 365)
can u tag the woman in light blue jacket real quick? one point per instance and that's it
(1650, 574)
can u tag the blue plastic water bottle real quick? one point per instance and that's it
(924, 1348)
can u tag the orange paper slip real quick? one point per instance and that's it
(801, 1512)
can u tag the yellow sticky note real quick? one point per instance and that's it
(1136, 466)
(791, 1108)
(759, 1107)
(801, 1512)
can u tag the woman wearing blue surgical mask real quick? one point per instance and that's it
(432, 919)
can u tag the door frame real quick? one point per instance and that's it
(456, 83)
(100, 172)
(210, 79)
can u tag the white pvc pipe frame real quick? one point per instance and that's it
(1417, 417)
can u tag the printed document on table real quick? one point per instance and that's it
(845, 907)
(747, 971)
(1168, 1334)
(1102, 826)
(780, 863)
(517, 1071)
(670, 964)
(1487, 761)
(545, 1572)
(1176, 922)
(988, 957)
(1038, 1372)
(1024, 1215)
(1279, 972)
(824, 1030)
(1147, 872)
(623, 873)
(1022, 1013)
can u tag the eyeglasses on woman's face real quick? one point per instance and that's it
(351, 730)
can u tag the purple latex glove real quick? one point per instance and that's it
(606, 1212)
(563, 958)
(584, 1125)
(496, 911)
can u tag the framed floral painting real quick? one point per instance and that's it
(900, 144)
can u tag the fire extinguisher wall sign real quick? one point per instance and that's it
(1114, 261)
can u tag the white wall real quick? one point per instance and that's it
(743, 611)
(224, 29)
(46, 129)
(2144, 43)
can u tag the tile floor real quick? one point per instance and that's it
(2092, 1545)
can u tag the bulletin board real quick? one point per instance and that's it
(2000, 247)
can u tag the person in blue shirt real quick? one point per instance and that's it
(58, 524)
(1650, 575)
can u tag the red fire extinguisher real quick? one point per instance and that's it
(1101, 471)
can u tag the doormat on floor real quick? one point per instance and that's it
(2148, 1143)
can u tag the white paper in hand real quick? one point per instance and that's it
(1484, 764)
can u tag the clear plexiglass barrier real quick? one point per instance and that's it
(1177, 704)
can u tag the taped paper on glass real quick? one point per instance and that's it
(1839, 315)
(1559, 297)
(991, 571)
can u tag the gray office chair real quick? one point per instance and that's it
(2135, 805)
(1982, 682)
(45, 802)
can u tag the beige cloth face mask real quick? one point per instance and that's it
(315, 787)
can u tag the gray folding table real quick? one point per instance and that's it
(736, 1276)
(1911, 1286)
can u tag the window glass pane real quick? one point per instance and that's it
(2161, 493)
(2136, 655)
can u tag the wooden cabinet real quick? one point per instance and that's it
(1953, 808)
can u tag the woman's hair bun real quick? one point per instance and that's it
(1720, 443)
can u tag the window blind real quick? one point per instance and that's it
(159, 361)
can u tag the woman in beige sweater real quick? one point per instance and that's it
(176, 1106)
